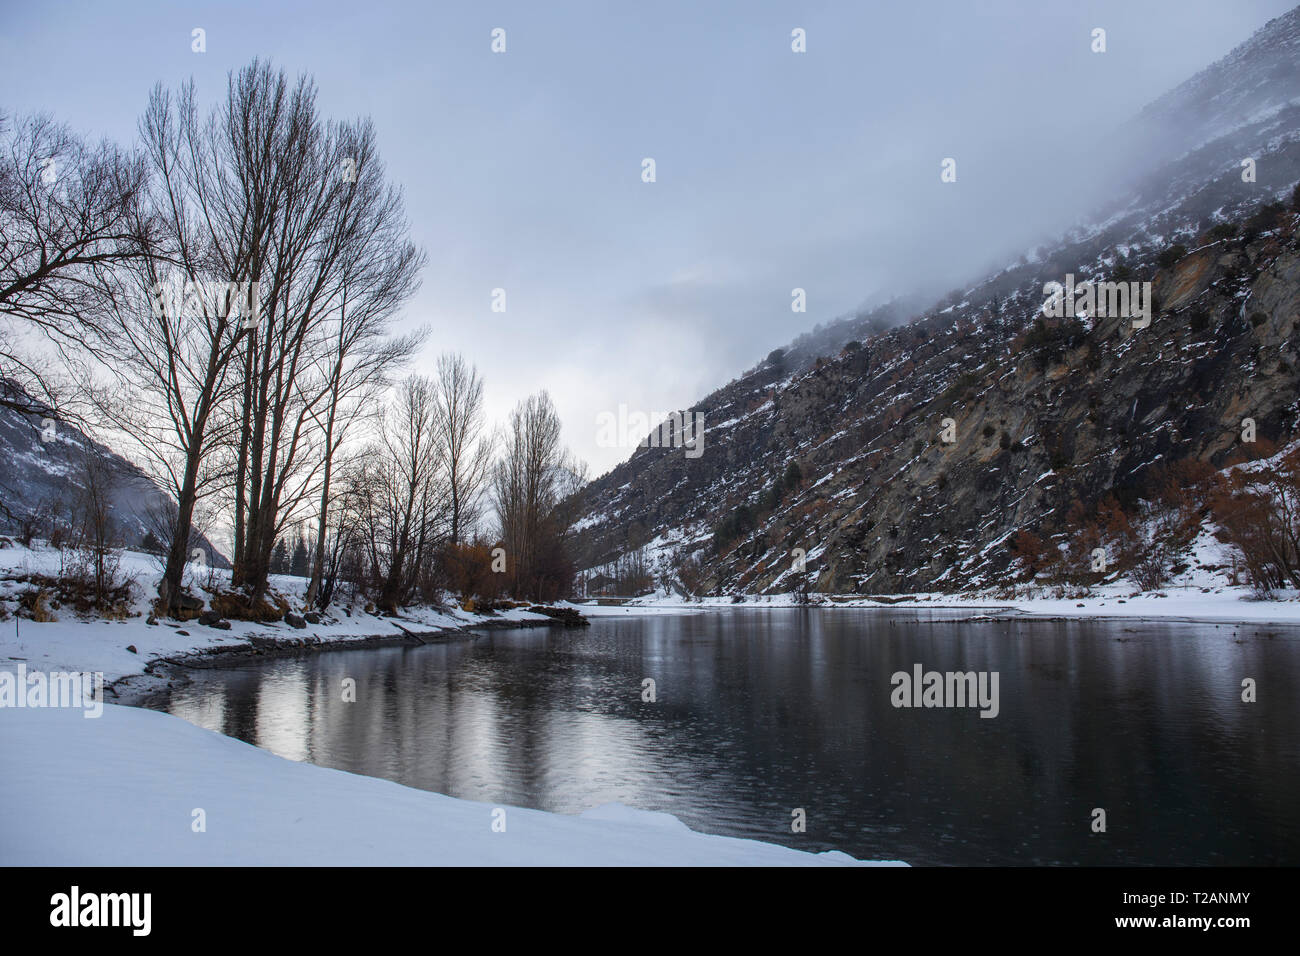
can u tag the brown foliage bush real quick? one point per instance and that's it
(469, 571)
(1258, 513)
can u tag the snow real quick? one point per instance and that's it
(1190, 603)
(71, 643)
(122, 790)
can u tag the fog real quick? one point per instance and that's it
(774, 170)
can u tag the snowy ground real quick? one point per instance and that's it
(1186, 603)
(122, 790)
(72, 643)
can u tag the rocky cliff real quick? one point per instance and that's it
(920, 450)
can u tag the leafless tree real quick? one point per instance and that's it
(68, 212)
(205, 228)
(337, 266)
(96, 533)
(290, 255)
(532, 480)
(357, 370)
(464, 451)
(402, 509)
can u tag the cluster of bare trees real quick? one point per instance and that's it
(417, 499)
(534, 488)
(253, 331)
(233, 283)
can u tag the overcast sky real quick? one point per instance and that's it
(775, 170)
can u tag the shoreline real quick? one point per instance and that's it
(611, 834)
(154, 777)
(1185, 606)
(148, 688)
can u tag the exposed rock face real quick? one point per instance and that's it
(1039, 418)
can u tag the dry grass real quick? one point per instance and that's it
(236, 606)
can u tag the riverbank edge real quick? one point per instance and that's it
(1234, 609)
(150, 687)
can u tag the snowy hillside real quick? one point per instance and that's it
(884, 499)
(44, 474)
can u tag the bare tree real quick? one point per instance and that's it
(68, 211)
(358, 369)
(532, 480)
(465, 453)
(97, 535)
(337, 266)
(341, 553)
(176, 325)
(401, 507)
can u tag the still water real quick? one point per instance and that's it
(758, 713)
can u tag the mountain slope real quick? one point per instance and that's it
(1043, 414)
(44, 476)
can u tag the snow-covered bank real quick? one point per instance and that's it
(123, 790)
(1192, 604)
(103, 646)
(73, 643)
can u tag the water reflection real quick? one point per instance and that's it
(759, 712)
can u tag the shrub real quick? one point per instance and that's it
(960, 389)
(1258, 513)
(29, 526)
(1053, 339)
(1031, 549)
(469, 571)
(36, 603)
(1171, 256)
(1264, 218)
(238, 607)
(740, 521)
(1150, 568)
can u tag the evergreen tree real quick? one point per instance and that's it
(300, 565)
(280, 558)
(793, 475)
